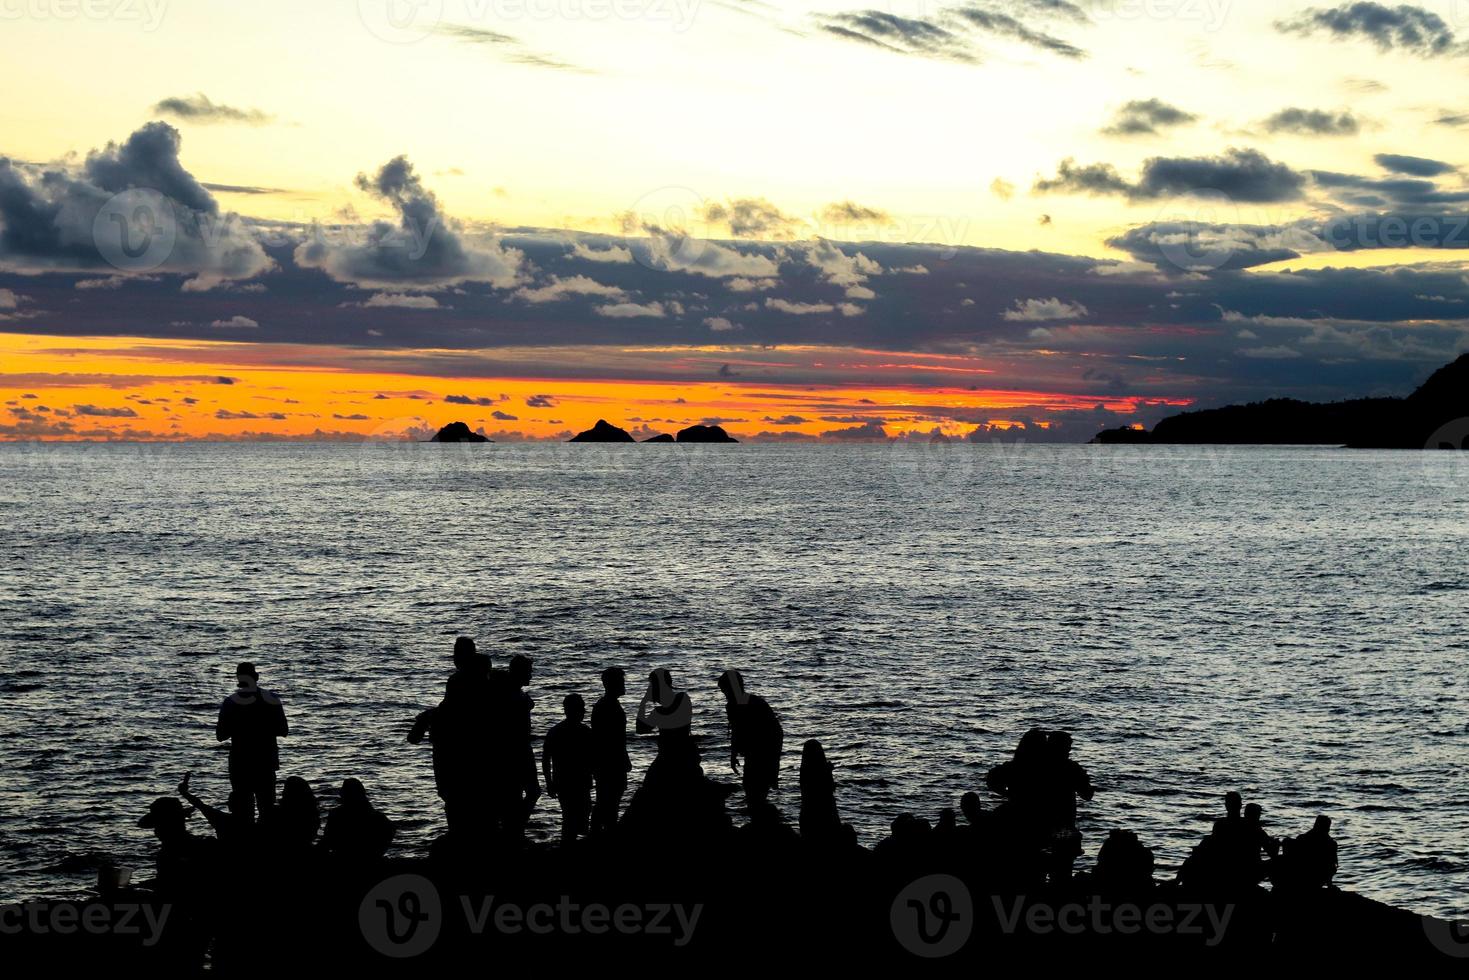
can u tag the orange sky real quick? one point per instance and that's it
(131, 388)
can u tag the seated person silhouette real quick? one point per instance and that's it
(251, 719)
(1308, 862)
(755, 734)
(232, 826)
(567, 761)
(293, 824)
(611, 763)
(820, 823)
(356, 832)
(185, 864)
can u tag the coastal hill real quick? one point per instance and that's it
(458, 432)
(1366, 423)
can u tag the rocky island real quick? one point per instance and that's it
(705, 433)
(603, 431)
(458, 432)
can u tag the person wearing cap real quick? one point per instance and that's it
(251, 719)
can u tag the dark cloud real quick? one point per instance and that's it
(948, 35)
(105, 413)
(901, 35)
(751, 217)
(1004, 25)
(849, 212)
(540, 401)
(1246, 176)
(198, 108)
(1405, 28)
(164, 220)
(511, 49)
(1413, 166)
(1313, 122)
(422, 249)
(472, 400)
(1145, 117)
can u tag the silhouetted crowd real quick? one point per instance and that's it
(487, 776)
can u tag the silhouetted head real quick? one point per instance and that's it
(614, 681)
(1252, 813)
(1232, 802)
(520, 670)
(165, 817)
(732, 683)
(948, 820)
(353, 792)
(1322, 824)
(574, 706)
(660, 686)
(1059, 743)
(465, 654)
(971, 807)
(813, 755)
(246, 676)
(296, 794)
(1032, 744)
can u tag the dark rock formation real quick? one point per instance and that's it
(1422, 420)
(603, 431)
(458, 432)
(705, 433)
(665, 437)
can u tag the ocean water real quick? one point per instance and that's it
(1288, 622)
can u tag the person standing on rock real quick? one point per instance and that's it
(755, 733)
(251, 719)
(610, 761)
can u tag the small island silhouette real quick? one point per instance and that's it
(1423, 420)
(605, 431)
(458, 432)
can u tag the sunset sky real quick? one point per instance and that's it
(354, 219)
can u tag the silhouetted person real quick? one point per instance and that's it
(251, 719)
(294, 823)
(1256, 845)
(610, 761)
(356, 832)
(1308, 861)
(1124, 865)
(567, 758)
(233, 826)
(675, 800)
(820, 822)
(755, 734)
(184, 862)
(1231, 822)
(459, 729)
(511, 758)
